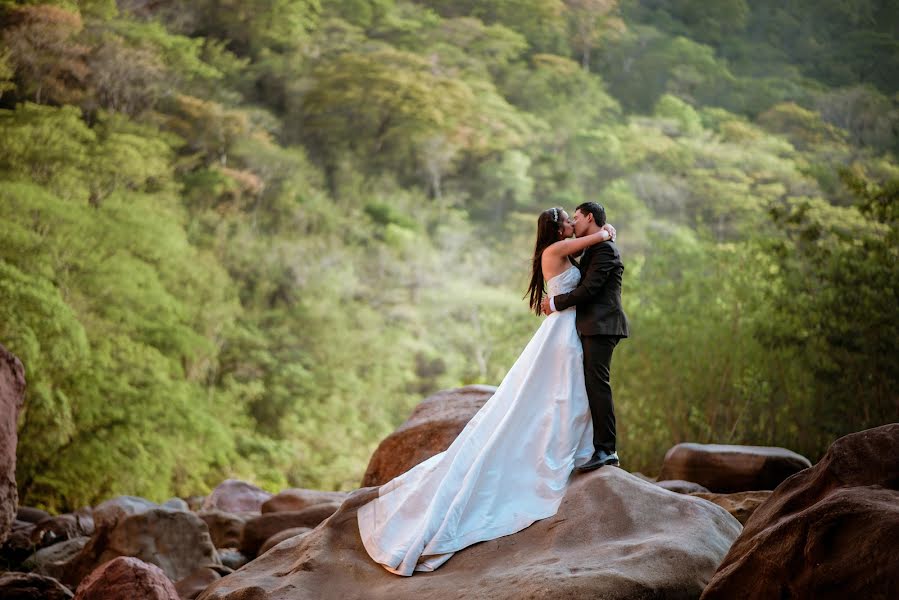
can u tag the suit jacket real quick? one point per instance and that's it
(598, 295)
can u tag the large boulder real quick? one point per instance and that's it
(127, 578)
(12, 398)
(740, 504)
(235, 496)
(681, 487)
(225, 528)
(261, 528)
(193, 585)
(429, 430)
(281, 536)
(828, 532)
(108, 513)
(294, 499)
(177, 542)
(61, 528)
(726, 469)
(56, 560)
(615, 536)
(30, 586)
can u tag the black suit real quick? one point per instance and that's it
(601, 322)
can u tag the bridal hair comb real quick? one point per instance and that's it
(555, 216)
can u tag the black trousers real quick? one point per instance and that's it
(597, 370)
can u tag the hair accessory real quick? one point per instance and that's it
(555, 216)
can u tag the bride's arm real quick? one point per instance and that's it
(575, 245)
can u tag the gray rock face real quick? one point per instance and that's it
(31, 586)
(615, 536)
(177, 542)
(430, 429)
(12, 398)
(111, 511)
(126, 578)
(727, 469)
(56, 560)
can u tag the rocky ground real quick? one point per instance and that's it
(721, 522)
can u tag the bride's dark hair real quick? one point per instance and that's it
(549, 227)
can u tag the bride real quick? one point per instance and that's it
(510, 465)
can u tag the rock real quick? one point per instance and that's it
(178, 542)
(236, 496)
(429, 430)
(18, 545)
(232, 559)
(298, 498)
(31, 515)
(107, 513)
(225, 528)
(615, 536)
(727, 469)
(828, 532)
(60, 528)
(191, 586)
(281, 536)
(56, 560)
(28, 586)
(195, 502)
(261, 528)
(12, 398)
(741, 504)
(681, 487)
(126, 578)
(175, 504)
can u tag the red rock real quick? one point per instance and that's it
(225, 528)
(261, 528)
(740, 504)
(431, 428)
(235, 496)
(727, 469)
(28, 586)
(829, 532)
(191, 586)
(298, 498)
(281, 536)
(12, 398)
(681, 487)
(614, 537)
(127, 578)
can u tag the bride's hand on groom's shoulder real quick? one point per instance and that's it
(610, 229)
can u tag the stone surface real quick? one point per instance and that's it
(615, 536)
(191, 586)
(109, 512)
(56, 560)
(431, 428)
(740, 504)
(261, 528)
(232, 559)
(31, 586)
(829, 532)
(177, 542)
(176, 504)
(31, 515)
(681, 487)
(295, 499)
(61, 528)
(225, 528)
(726, 469)
(12, 398)
(126, 578)
(235, 496)
(281, 536)
(18, 545)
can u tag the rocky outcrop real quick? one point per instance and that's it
(829, 532)
(235, 496)
(726, 469)
(294, 499)
(615, 536)
(31, 586)
(177, 542)
(431, 428)
(261, 528)
(12, 398)
(741, 504)
(126, 578)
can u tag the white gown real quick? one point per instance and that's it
(507, 468)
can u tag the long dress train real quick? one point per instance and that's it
(507, 468)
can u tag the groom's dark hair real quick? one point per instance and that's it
(595, 209)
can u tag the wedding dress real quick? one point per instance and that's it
(507, 468)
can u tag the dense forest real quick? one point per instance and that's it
(243, 238)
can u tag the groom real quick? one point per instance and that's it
(601, 323)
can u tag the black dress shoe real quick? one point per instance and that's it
(600, 459)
